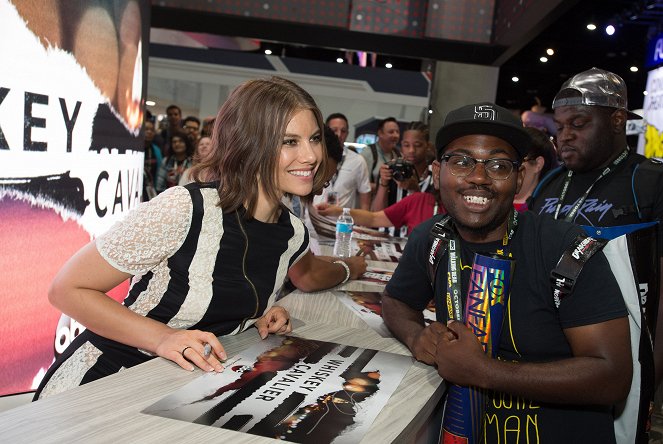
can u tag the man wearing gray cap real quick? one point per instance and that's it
(607, 188)
(593, 187)
(558, 370)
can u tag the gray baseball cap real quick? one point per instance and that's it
(594, 87)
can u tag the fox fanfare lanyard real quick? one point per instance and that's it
(565, 188)
(453, 297)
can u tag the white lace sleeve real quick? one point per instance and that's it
(149, 234)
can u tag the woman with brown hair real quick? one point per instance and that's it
(174, 166)
(206, 259)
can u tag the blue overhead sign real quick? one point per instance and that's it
(655, 52)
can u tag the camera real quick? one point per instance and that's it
(401, 169)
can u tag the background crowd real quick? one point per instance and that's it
(389, 184)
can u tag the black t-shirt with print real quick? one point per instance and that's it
(610, 202)
(533, 327)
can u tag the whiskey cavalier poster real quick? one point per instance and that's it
(292, 389)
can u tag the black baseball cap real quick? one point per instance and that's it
(483, 118)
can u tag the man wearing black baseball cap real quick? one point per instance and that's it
(559, 370)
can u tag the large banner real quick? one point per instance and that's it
(72, 84)
(651, 143)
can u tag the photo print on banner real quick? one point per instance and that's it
(71, 157)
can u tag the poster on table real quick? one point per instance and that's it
(368, 306)
(71, 161)
(383, 251)
(651, 142)
(376, 275)
(292, 389)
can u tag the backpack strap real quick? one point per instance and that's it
(544, 180)
(438, 241)
(564, 276)
(647, 181)
(374, 151)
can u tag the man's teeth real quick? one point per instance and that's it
(476, 200)
(301, 173)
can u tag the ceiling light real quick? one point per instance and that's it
(150, 102)
(514, 79)
(430, 111)
(591, 26)
(388, 65)
(268, 51)
(550, 51)
(634, 69)
(610, 29)
(543, 59)
(339, 60)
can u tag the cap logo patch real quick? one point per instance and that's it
(484, 112)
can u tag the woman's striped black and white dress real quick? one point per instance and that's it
(194, 267)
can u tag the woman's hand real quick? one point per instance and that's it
(186, 347)
(275, 320)
(357, 266)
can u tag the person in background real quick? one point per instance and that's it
(559, 370)
(349, 184)
(208, 126)
(347, 178)
(536, 117)
(152, 161)
(173, 166)
(192, 129)
(604, 185)
(203, 149)
(339, 124)
(383, 150)
(409, 211)
(174, 125)
(540, 159)
(192, 252)
(415, 149)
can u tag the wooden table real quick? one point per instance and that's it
(108, 410)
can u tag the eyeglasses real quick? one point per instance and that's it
(461, 166)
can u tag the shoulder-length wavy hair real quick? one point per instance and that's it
(247, 140)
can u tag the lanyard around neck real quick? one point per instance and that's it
(382, 154)
(567, 182)
(453, 298)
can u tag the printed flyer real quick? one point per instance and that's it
(292, 389)
(376, 276)
(368, 306)
(385, 251)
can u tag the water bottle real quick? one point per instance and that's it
(343, 244)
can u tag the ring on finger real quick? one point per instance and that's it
(207, 350)
(185, 349)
